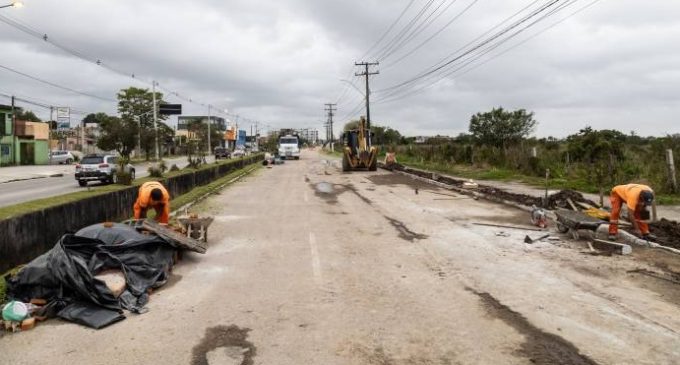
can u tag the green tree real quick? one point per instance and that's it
(93, 118)
(501, 128)
(28, 115)
(117, 134)
(601, 151)
(135, 105)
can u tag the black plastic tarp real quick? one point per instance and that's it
(65, 276)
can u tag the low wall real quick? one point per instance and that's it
(27, 236)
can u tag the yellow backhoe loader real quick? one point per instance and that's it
(358, 152)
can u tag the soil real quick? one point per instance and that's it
(667, 232)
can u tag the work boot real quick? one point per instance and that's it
(612, 237)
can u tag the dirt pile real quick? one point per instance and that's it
(667, 232)
(560, 199)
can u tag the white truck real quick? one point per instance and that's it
(289, 147)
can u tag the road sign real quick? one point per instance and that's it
(64, 114)
(170, 109)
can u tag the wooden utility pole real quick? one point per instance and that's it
(366, 74)
(330, 108)
(671, 170)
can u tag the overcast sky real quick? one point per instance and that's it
(614, 65)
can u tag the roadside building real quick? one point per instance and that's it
(22, 142)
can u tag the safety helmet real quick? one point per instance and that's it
(647, 197)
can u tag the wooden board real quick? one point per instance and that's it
(175, 238)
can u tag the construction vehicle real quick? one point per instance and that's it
(358, 152)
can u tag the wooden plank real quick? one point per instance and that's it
(175, 238)
(507, 226)
(619, 248)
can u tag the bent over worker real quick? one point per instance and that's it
(153, 195)
(637, 198)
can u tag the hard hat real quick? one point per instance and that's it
(647, 197)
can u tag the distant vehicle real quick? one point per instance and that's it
(238, 152)
(100, 168)
(289, 146)
(221, 152)
(62, 157)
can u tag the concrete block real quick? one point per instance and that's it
(27, 324)
(618, 248)
(114, 280)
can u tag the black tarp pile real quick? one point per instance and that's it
(65, 276)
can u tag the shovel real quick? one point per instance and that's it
(528, 239)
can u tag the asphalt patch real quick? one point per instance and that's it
(227, 337)
(539, 346)
(405, 233)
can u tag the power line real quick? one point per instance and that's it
(390, 65)
(54, 85)
(470, 61)
(404, 30)
(97, 61)
(487, 41)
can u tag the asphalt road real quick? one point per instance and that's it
(307, 265)
(22, 191)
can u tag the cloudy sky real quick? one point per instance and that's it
(615, 64)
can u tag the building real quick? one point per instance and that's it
(22, 142)
(218, 123)
(309, 135)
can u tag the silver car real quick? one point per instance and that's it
(100, 168)
(61, 157)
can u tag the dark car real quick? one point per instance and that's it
(221, 152)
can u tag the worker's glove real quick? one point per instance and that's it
(649, 237)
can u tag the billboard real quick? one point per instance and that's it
(241, 140)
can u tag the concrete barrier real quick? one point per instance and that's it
(28, 236)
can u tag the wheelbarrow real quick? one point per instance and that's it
(570, 221)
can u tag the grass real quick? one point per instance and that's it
(40, 204)
(507, 175)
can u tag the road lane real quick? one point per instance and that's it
(26, 190)
(369, 272)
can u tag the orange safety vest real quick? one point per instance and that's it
(630, 194)
(144, 201)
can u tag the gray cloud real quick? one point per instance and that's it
(611, 66)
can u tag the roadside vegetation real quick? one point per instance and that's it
(499, 146)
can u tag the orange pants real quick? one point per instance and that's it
(617, 202)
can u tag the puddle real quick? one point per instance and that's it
(539, 347)
(224, 345)
(405, 233)
(329, 192)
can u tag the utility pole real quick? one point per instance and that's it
(366, 73)
(209, 120)
(155, 119)
(331, 108)
(49, 135)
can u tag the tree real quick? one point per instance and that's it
(93, 118)
(118, 134)
(600, 151)
(501, 128)
(135, 105)
(28, 115)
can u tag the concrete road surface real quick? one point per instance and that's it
(308, 265)
(26, 190)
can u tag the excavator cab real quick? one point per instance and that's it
(358, 153)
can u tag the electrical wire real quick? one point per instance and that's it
(54, 85)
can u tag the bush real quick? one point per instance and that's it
(155, 171)
(174, 167)
(162, 166)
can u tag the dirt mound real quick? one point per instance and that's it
(667, 232)
(560, 199)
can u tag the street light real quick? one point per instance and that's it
(14, 4)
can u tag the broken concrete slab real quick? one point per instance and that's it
(114, 280)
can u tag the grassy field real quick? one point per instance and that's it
(498, 174)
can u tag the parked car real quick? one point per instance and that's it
(102, 168)
(238, 152)
(62, 157)
(221, 152)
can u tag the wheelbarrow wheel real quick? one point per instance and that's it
(562, 228)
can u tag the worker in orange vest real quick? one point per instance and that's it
(637, 198)
(153, 194)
